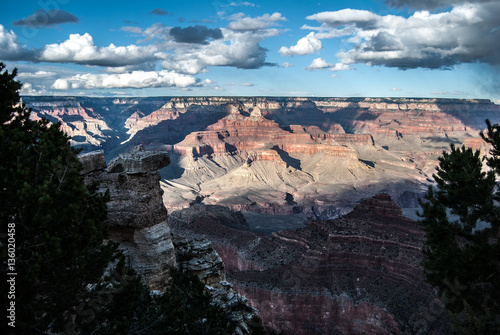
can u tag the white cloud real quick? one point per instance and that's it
(345, 16)
(305, 46)
(248, 84)
(339, 67)
(27, 89)
(136, 79)
(286, 64)
(318, 64)
(10, 49)
(240, 22)
(81, 49)
(61, 84)
(468, 33)
(239, 48)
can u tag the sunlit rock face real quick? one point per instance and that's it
(349, 275)
(282, 156)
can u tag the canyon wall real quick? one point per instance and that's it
(356, 274)
(271, 155)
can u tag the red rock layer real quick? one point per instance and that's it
(238, 133)
(347, 275)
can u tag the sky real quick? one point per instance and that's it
(357, 48)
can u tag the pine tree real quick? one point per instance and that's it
(461, 219)
(58, 223)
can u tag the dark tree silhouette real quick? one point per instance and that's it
(461, 218)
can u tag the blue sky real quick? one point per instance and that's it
(382, 48)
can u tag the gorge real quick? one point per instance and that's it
(299, 197)
(311, 157)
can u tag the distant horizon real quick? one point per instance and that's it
(256, 96)
(358, 48)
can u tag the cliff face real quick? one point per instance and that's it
(359, 273)
(249, 153)
(136, 213)
(138, 220)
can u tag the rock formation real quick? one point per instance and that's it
(327, 153)
(357, 274)
(138, 220)
(136, 213)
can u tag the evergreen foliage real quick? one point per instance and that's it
(59, 223)
(462, 250)
(184, 308)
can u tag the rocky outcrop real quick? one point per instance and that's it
(138, 220)
(196, 256)
(139, 161)
(136, 213)
(357, 274)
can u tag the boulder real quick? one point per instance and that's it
(92, 161)
(139, 161)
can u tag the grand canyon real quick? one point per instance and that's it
(303, 206)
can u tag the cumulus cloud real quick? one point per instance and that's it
(339, 67)
(320, 64)
(42, 18)
(135, 79)
(465, 34)
(195, 34)
(10, 49)
(239, 47)
(28, 89)
(305, 46)
(80, 49)
(245, 23)
(243, 52)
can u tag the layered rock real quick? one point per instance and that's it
(195, 255)
(138, 220)
(357, 274)
(326, 152)
(136, 213)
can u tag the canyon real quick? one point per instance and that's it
(358, 274)
(313, 158)
(298, 207)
